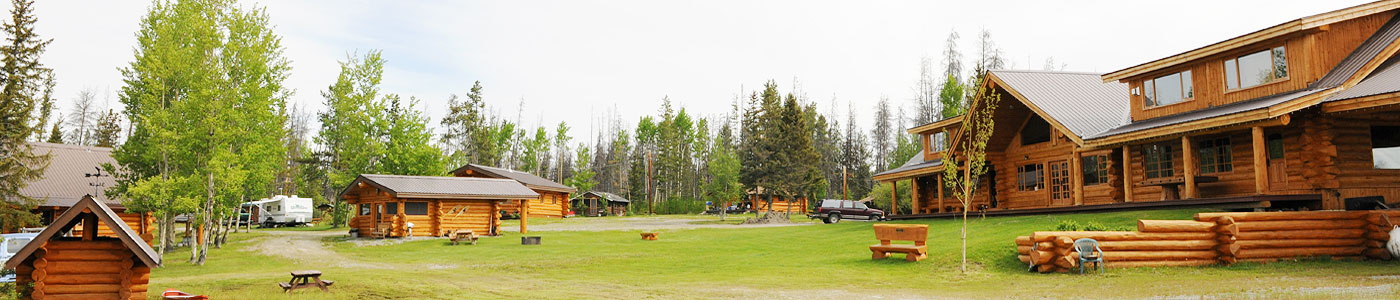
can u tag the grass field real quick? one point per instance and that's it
(801, 262)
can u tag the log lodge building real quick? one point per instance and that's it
(1304, 114)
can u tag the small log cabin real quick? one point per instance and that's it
(758, 202)
(595, 204)
(1301, 115)
(85, 265)
(436, 205)
(553, 200)
(66, 181)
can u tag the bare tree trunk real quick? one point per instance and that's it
(207, 221)
(964, 235)
(164, 238)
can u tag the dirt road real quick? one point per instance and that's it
(638, 223)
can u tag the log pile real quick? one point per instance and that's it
(1219, 238)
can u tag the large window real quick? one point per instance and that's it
(1385, 147)
(1256, 68)
(1095, 169)
(1036, 131)
(1170, 89)
(1215, 156)
(1030, 177)
(1157, 160)
(1059, 180)
(415, 208)
(938, 142)
(391, 208)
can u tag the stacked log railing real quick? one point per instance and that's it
(1219, 238)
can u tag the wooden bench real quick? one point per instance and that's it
(305, 279)
(650, 236)
(887, 233)
(463, 235)
(1171, 186)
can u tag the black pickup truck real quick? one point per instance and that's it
(833, 211)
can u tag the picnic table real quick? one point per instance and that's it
(463, 235)
(1171, 186)
(305, 279)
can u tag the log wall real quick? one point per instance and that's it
(1220, 238)
(72, 269)
(474, 215)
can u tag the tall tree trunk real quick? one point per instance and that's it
(207, 221)
(164, 238)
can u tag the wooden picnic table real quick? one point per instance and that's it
(463, 235)
(306, 279)
(1171, 186)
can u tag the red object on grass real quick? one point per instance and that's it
(173, 294)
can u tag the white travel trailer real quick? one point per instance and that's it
(280, 210)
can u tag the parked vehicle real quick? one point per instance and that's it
(833, 211)
(9, 246)
(281, 210)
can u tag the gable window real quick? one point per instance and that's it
(1036, 131)
(1385, 147)
(1030, 177)
(1059, 180)
(1215, 156)
(1256, 68)
(1166, 90)
(415, 208)
(1157, 160)
(1095, 169)
(938, 142)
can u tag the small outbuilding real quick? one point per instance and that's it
(433, 205)
(553, 200)
(596, 204)
(758, 201)
(87, 266)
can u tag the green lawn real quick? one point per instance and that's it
(801, 262)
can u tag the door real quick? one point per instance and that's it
(1278, 174)
(1060, 193)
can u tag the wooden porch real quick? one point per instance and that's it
(1256, 201)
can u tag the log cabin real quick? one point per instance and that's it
(67, 180)
(595, 204)
(553, 200)
(84, 265)
(1302, 115)
(759, 198)
(435, 205)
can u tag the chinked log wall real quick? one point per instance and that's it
(1220, 238)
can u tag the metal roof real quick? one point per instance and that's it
(446, 187)
(1363, 54)
(1081, 102)
(64, 183)
(1384, 80)
(530, 180)
(64, 222)
(606, 196)
(914, 163)
(1232, 108)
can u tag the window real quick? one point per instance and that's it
(1030, 177)
(391, 208)
(938, 142)
(1385, 147)
(1274, 145)
(1170, 89)
(364, 209)
(1095, 169)
(1036, 131)
(1256, 68)
(859, 205)
(1059, 180)
(1157, 160)
(415, 208)
(1215, 156)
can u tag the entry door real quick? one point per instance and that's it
(1060, 193)
(1278, 174)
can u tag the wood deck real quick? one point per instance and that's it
(1256, 201)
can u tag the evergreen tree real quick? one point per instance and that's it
(22, 74)
(465, 126)
(582, 178)
(56, 134)
(107, 130)
(951, 98)
(882, 134)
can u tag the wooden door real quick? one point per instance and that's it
(1278, 174)
(1061, 193)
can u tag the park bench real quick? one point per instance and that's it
(379, 233)
(1171, 186)
(463, 235)
(650, 236)
(305, 279)
(888, 233)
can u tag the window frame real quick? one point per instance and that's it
(407, 212)
(1099, 169)
(1049, 130)
(1373, 140)
(1151, 168)
(1021, 177)
(1185, 81)
(1225, 64)
(1061, 186)
(366, 209)
(1215, 156)
(391, 208)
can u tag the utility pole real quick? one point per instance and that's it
(651, 199)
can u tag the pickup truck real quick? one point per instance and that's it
(832, 211)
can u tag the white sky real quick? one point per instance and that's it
(570, 60)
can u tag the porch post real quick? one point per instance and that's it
(1127, 174)
(940, 207)
(1076, 172)
(914, 193)
(1188, 168)
(894, 197)
(524, 214)
(1261, 162)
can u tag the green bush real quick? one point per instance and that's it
(672, 206)
(1071, 225)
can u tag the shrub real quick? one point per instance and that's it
(1071, 225)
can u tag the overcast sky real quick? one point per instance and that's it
(577, 61)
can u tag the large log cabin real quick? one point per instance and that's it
(436, 205)
(68, 178)
(1302, 115)
(553, 200)
(84, 265)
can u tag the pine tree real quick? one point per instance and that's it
(107, 130)
(882, 134)
(55, 135)
(22, 74)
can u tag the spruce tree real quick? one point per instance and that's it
(22, 75)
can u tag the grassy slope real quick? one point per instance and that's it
(798, 262)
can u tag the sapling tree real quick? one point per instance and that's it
(962, 178)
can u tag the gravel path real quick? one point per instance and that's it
(639, 223)
(306, 248)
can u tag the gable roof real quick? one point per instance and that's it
(605, 196)
(915, 166)
(70, 218)
(1384, 80)
(64, 183)
(441, 187)
(529, 180)
(1312, 22)
(1077, 102)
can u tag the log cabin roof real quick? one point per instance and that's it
(1078, 102)
(915, 165)
(530, 180)
(1382, 81)
(442, 187)
(1232, 108)
(63, 223)
(610, 197)
(1357, 60)
(63, 183)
